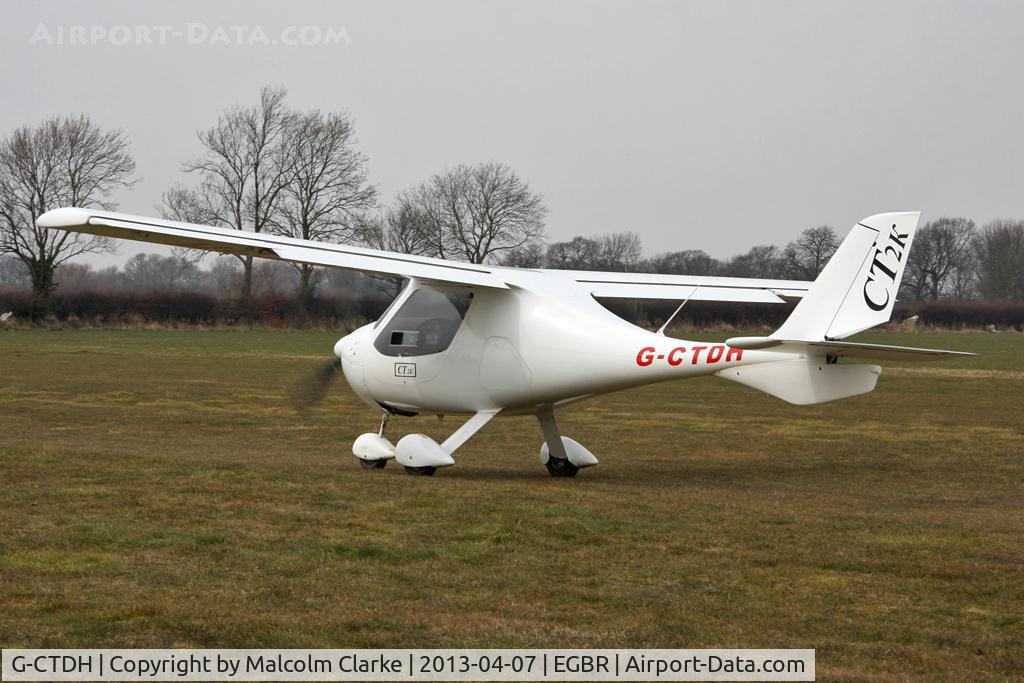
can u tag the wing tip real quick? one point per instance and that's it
(63, 218)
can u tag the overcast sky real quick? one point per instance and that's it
(699, 125)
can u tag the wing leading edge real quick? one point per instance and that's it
(123, 226)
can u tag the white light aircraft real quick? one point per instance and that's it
(483, 340)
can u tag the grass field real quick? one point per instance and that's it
(157, 490)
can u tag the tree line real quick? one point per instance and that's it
(951, 259)
(271, 168)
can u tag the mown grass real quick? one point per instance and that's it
(158, 490)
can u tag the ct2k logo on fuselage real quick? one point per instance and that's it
(882, 273)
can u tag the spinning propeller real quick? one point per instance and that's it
(311, 389)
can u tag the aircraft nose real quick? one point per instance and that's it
(343, 346)
(346, 347)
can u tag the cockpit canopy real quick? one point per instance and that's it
(425, 323)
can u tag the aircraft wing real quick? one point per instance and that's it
(694, 288)
(264, 245)
(123, 226)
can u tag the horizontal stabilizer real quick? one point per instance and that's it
(882, 351)
(843, 349)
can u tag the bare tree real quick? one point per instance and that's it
(1000, 260)
(78, 277)
(327, 190)
(529, 255)
(763, 261)
(579, 253)
(619, 251)
(13, 273)
(940, 263)
(476, 213)
(243, 172)
(405, 229)
(226, 275)
(62, 162)
(190, 206)
(155, 273)
(273, 277)
(688, 262)
(806, 256)
(81, 277)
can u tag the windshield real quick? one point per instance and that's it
(426, 323)
(391, 305)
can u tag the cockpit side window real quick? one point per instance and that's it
(426, 323)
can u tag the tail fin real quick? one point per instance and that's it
(857, 289)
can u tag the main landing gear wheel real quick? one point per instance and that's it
(372, 464)
(421, 471)
(558, 467)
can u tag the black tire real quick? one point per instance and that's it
(421, 471)
(557, 467)
(372, 464)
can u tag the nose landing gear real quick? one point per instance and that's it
(418, 453)
(372, 450)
